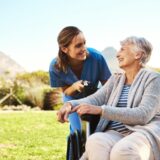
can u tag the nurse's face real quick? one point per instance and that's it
(77, 48)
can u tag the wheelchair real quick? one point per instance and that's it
(76, 141)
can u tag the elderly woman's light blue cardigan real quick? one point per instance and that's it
(141, 113)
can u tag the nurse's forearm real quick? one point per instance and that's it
(76, 86)
(69, 90)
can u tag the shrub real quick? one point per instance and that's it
(33, 90)
(33, 76)
(52, 99)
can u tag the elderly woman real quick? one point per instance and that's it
(129, 104)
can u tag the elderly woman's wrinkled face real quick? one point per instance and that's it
(127, 57)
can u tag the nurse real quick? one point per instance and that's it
(75, 64)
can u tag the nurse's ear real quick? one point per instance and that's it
(64, 49)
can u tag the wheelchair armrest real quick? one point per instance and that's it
(92, 119)
(86, 117)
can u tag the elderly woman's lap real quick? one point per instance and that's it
(99, 145)
(112, 145)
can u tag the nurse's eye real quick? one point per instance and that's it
(79, 45)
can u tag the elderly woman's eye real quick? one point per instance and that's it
(121, 49)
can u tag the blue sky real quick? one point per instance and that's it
(29, 28)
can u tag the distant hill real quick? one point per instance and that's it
(8, 67)
(109, 54)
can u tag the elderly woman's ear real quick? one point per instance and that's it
(139, 55)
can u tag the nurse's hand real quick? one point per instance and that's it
(78, 86)
(62, 114)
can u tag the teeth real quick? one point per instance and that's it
(120, 59)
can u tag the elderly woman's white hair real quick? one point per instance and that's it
(140, 45)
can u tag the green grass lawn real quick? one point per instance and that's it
(33, 135)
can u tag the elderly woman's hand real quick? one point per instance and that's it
(87, 109)
(62, 114)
